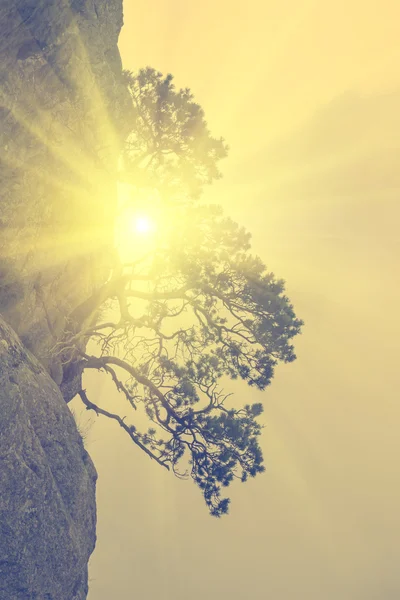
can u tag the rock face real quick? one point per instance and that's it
(64, 112)
(47, 484)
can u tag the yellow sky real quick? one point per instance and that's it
(306, 93)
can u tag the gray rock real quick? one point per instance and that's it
(47, 484)
(64, 112)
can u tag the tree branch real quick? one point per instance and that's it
(99, 411)
(95, 362)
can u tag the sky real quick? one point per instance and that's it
(306, 94)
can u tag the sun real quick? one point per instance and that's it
(134, 234)
(134, 227)
(141, 224)
(138, 222)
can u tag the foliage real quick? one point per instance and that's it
(197, 309)
(170, 147)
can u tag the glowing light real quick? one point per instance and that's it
(138, 224)
(142, 225)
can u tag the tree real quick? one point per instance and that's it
(170, 147)
(197, 309)
(173, 325)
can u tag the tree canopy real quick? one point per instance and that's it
(170, 147)
(173, 325)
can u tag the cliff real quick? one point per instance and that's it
(63, 109)
(63, 114)
(47, 484)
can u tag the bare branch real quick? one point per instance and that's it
(99, 411)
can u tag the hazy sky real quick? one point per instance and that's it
(307, 95)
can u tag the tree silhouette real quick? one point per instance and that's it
(171, 326)
(170, 147)
(196, 310)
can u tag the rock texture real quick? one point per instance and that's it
(47, 484)
(63, 114)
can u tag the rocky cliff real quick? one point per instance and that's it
(63, 115)
(47, 484)
(63, 109)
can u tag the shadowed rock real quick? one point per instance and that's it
(47, 484)
(63, 114)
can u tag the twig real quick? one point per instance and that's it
(99, 411)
